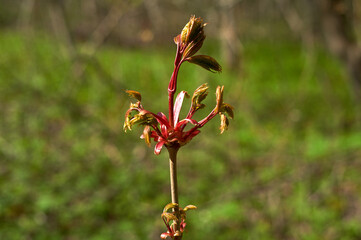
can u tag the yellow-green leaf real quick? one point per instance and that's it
(206, 62)
(170, 206)
(189, 207)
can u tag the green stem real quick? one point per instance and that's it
(173, 184)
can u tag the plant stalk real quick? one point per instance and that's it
(173, 184)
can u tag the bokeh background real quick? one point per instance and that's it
(288, 168)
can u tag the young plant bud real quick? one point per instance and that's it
(171, 131)
(194, 46)
(192, 30)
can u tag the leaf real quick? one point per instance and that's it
(184, 121)
(189, 135)
(178, 105)
(158, 147)
(224, 123)
(194, 46)
(162, 119)
(165, 235)
(177, 39)
(169, 216)
(219, 98)
(199, 95)
(146, 135)
(189, 207)
(170, 206)
(206, 62)
(227, 108)
(134, 94)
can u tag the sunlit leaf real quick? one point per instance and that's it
(189, 207)
(134, 94)
(170, 206)
(206, 62)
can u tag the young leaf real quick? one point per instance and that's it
(169, 216)
(199, 95)
(170, 206)
(206, 62)
(158, 147)
(189, 207)
(224, 123)
(134, 94)
(178, 105)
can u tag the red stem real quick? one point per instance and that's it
(173, 82)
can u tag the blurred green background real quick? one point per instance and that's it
(288, 168)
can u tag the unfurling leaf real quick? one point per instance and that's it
(183, 211)
(224, 123)
(146, 135)
(189, 207)
(206, 62)
(142, 118)
(227, 108)
(128, 117)
(177, 39)
(170, 206)
(165, 235)
(134, 94)
(199, 95)
(219, 97)
(168, 216)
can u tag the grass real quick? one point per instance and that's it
(286, 169)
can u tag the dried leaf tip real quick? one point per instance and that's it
(134, 94)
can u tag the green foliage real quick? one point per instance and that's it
(288, 168)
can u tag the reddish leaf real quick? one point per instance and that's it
(185, 121)
(165, 235)
(178, 105)
(158, 147)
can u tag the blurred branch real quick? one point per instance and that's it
(60, 25)
(26, 10)
(334, 20)
(89, 9)
(155, 14)
(102, 31)
(107, 25)
(341, 39)
(295, 21)
(231, 46)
